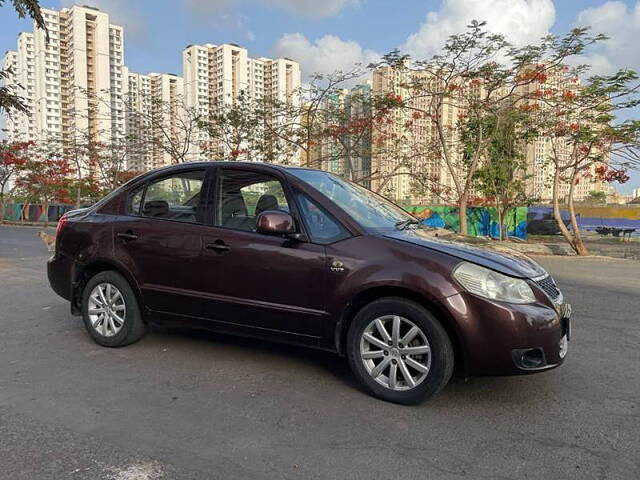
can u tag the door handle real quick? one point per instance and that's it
(127, 236)
(217, 247)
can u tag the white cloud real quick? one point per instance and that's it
(325, 55)
(622, 24)
(521, 21)
(303, 8)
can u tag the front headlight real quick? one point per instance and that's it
(489, 284)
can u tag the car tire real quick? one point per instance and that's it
(119, 325)
(430, 370)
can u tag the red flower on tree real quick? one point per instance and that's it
(611, 174)
(46, 180)
(13, 158)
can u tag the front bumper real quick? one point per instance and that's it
(506, 339)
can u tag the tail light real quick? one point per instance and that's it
(61, 223)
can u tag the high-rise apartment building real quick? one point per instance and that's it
(347, 152)
(216, 77)
(404, 149)
(154, 118)
(358, 107)
(326, 151)
(77, 89)
(72, 81)
(137, 105)
(21, 67)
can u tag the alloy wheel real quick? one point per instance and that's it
(395, 352)
(107, 309)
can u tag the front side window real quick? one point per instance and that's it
(176, 197)
(369, 209)
(323, 228)
(242, 196)
(135, 201)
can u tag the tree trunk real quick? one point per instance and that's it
(500, 214)
(2, 205)
(505, 214)
(45, 208)
(79, 170)
(462, 206)
(556, 210)
(578, 244)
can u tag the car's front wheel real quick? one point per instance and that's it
(110, 310)
(399, 351)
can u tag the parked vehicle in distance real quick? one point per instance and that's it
(302, 256)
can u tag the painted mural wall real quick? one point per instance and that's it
(540, 219)
(536, 220)
(481, 221)
(34, 212)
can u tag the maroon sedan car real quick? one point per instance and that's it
(302, 256)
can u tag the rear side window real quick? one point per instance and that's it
(323, 228)
(175, 197)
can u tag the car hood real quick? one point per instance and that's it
(501, 259)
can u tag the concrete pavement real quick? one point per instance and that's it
(197, 405)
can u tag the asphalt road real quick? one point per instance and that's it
(206, 406)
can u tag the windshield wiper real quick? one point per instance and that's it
(401, 225)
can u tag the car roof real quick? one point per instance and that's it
(230, 163)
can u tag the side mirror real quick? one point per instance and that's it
(275, 222)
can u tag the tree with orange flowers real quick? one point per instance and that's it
(13, 158)
(475, 77)
(587, 139)
(46, 180)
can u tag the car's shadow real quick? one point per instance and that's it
(519, 390)
(330, 362)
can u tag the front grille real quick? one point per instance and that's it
(549, 286)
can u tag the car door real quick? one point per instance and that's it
(160, 240)
(257, 280)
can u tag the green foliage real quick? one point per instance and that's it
(9, 99)
(503, 172)
(502, 175)
(597, 197)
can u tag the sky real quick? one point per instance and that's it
(324, 35)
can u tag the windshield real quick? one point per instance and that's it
(369, 209)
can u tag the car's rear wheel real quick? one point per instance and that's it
(110, 310)
(399, 351)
